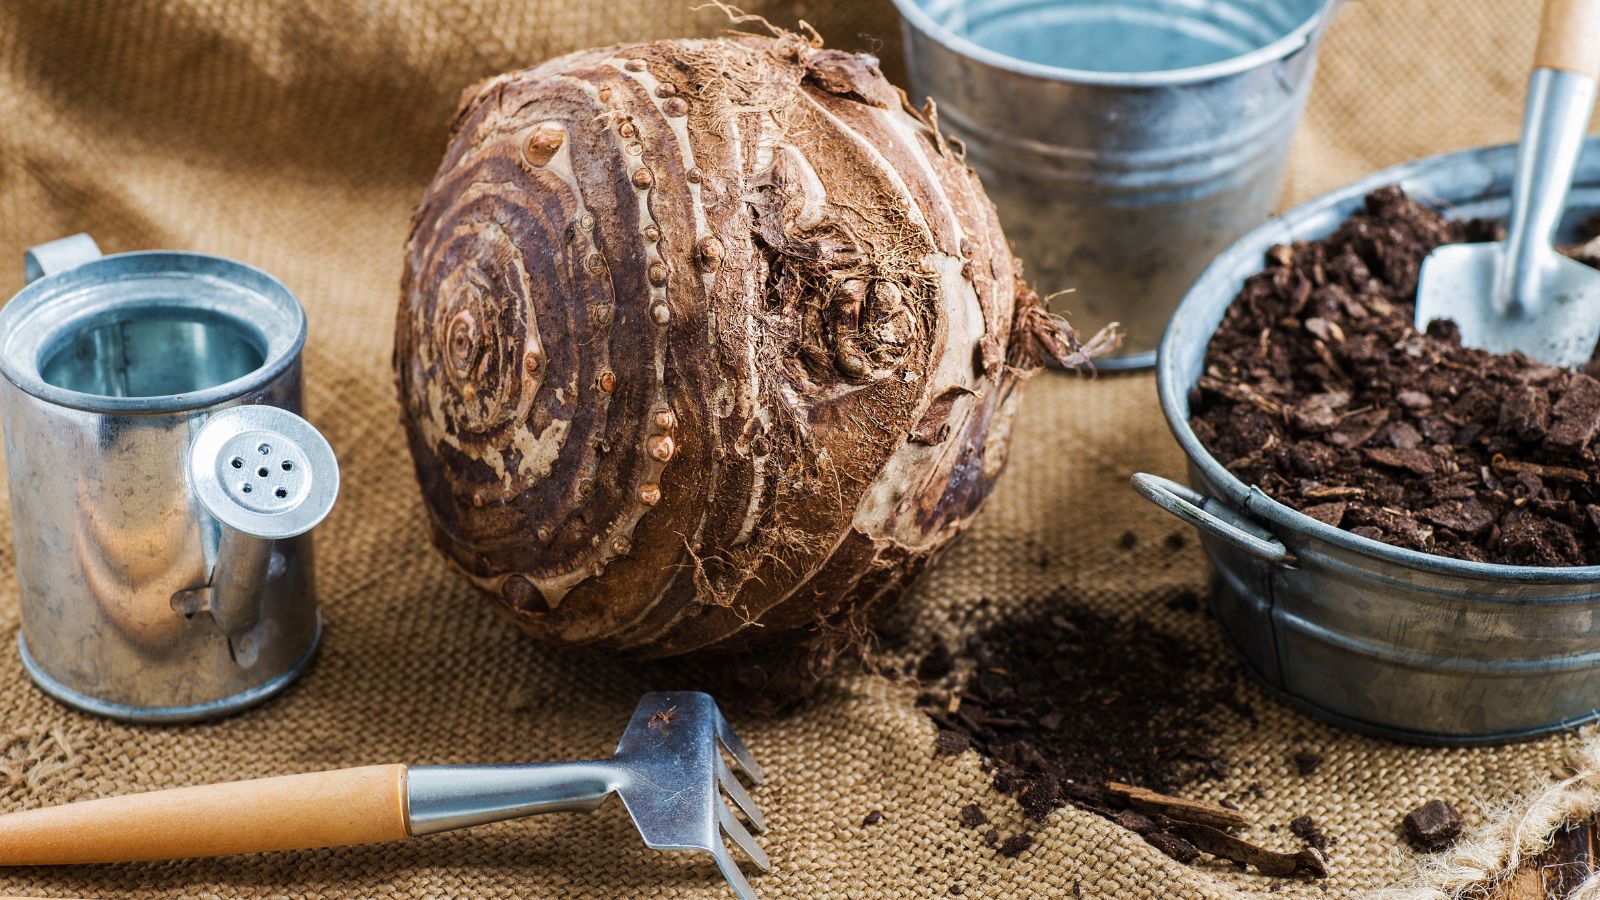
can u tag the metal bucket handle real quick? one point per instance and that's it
(1190, 506)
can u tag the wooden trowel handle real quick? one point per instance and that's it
(292, 812)
(1569, 37)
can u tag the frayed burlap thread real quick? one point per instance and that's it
(1512, 835)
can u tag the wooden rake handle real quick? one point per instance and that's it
(1569, 37)
(291, 812)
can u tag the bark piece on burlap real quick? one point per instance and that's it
(1433, 826)
(297, 137)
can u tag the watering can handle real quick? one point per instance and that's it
(1190, 506)
(58, 256)
(1569, 37)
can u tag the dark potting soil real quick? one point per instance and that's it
(1305, 828)
(1062, 704)
(1307, 762)
(1318, 390)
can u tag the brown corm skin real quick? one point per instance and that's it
(706, 343)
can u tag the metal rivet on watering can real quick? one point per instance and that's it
(1124, 142)
(162, 483)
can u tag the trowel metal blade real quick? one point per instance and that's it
(1457, 283)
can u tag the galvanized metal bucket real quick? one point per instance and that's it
(161, 481)
(1124, 143)
(1378, 638)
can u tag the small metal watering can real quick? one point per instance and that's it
(162, 483)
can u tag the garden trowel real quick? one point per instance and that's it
(1520, 293)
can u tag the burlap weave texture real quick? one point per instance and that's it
(297, 135)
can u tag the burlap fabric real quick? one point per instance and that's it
(297, 135)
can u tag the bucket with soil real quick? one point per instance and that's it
(1405, 532)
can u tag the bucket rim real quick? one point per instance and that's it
(1302, 36)
(281, 348)
(1172, 386)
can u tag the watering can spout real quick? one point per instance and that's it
(265, 475)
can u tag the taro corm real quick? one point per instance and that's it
(708, 344)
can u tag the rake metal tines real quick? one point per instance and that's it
(670, 751)
(669, 770)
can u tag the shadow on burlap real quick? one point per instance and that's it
(296, 136)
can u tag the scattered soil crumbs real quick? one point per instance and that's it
(1065, 703)
(1109, 715)
(1016, 845)
(1318, 390)
(953, 743)
(1305, 828)
(1185, 601)
(1433, 826)
(936, 664)
(1307, 762)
